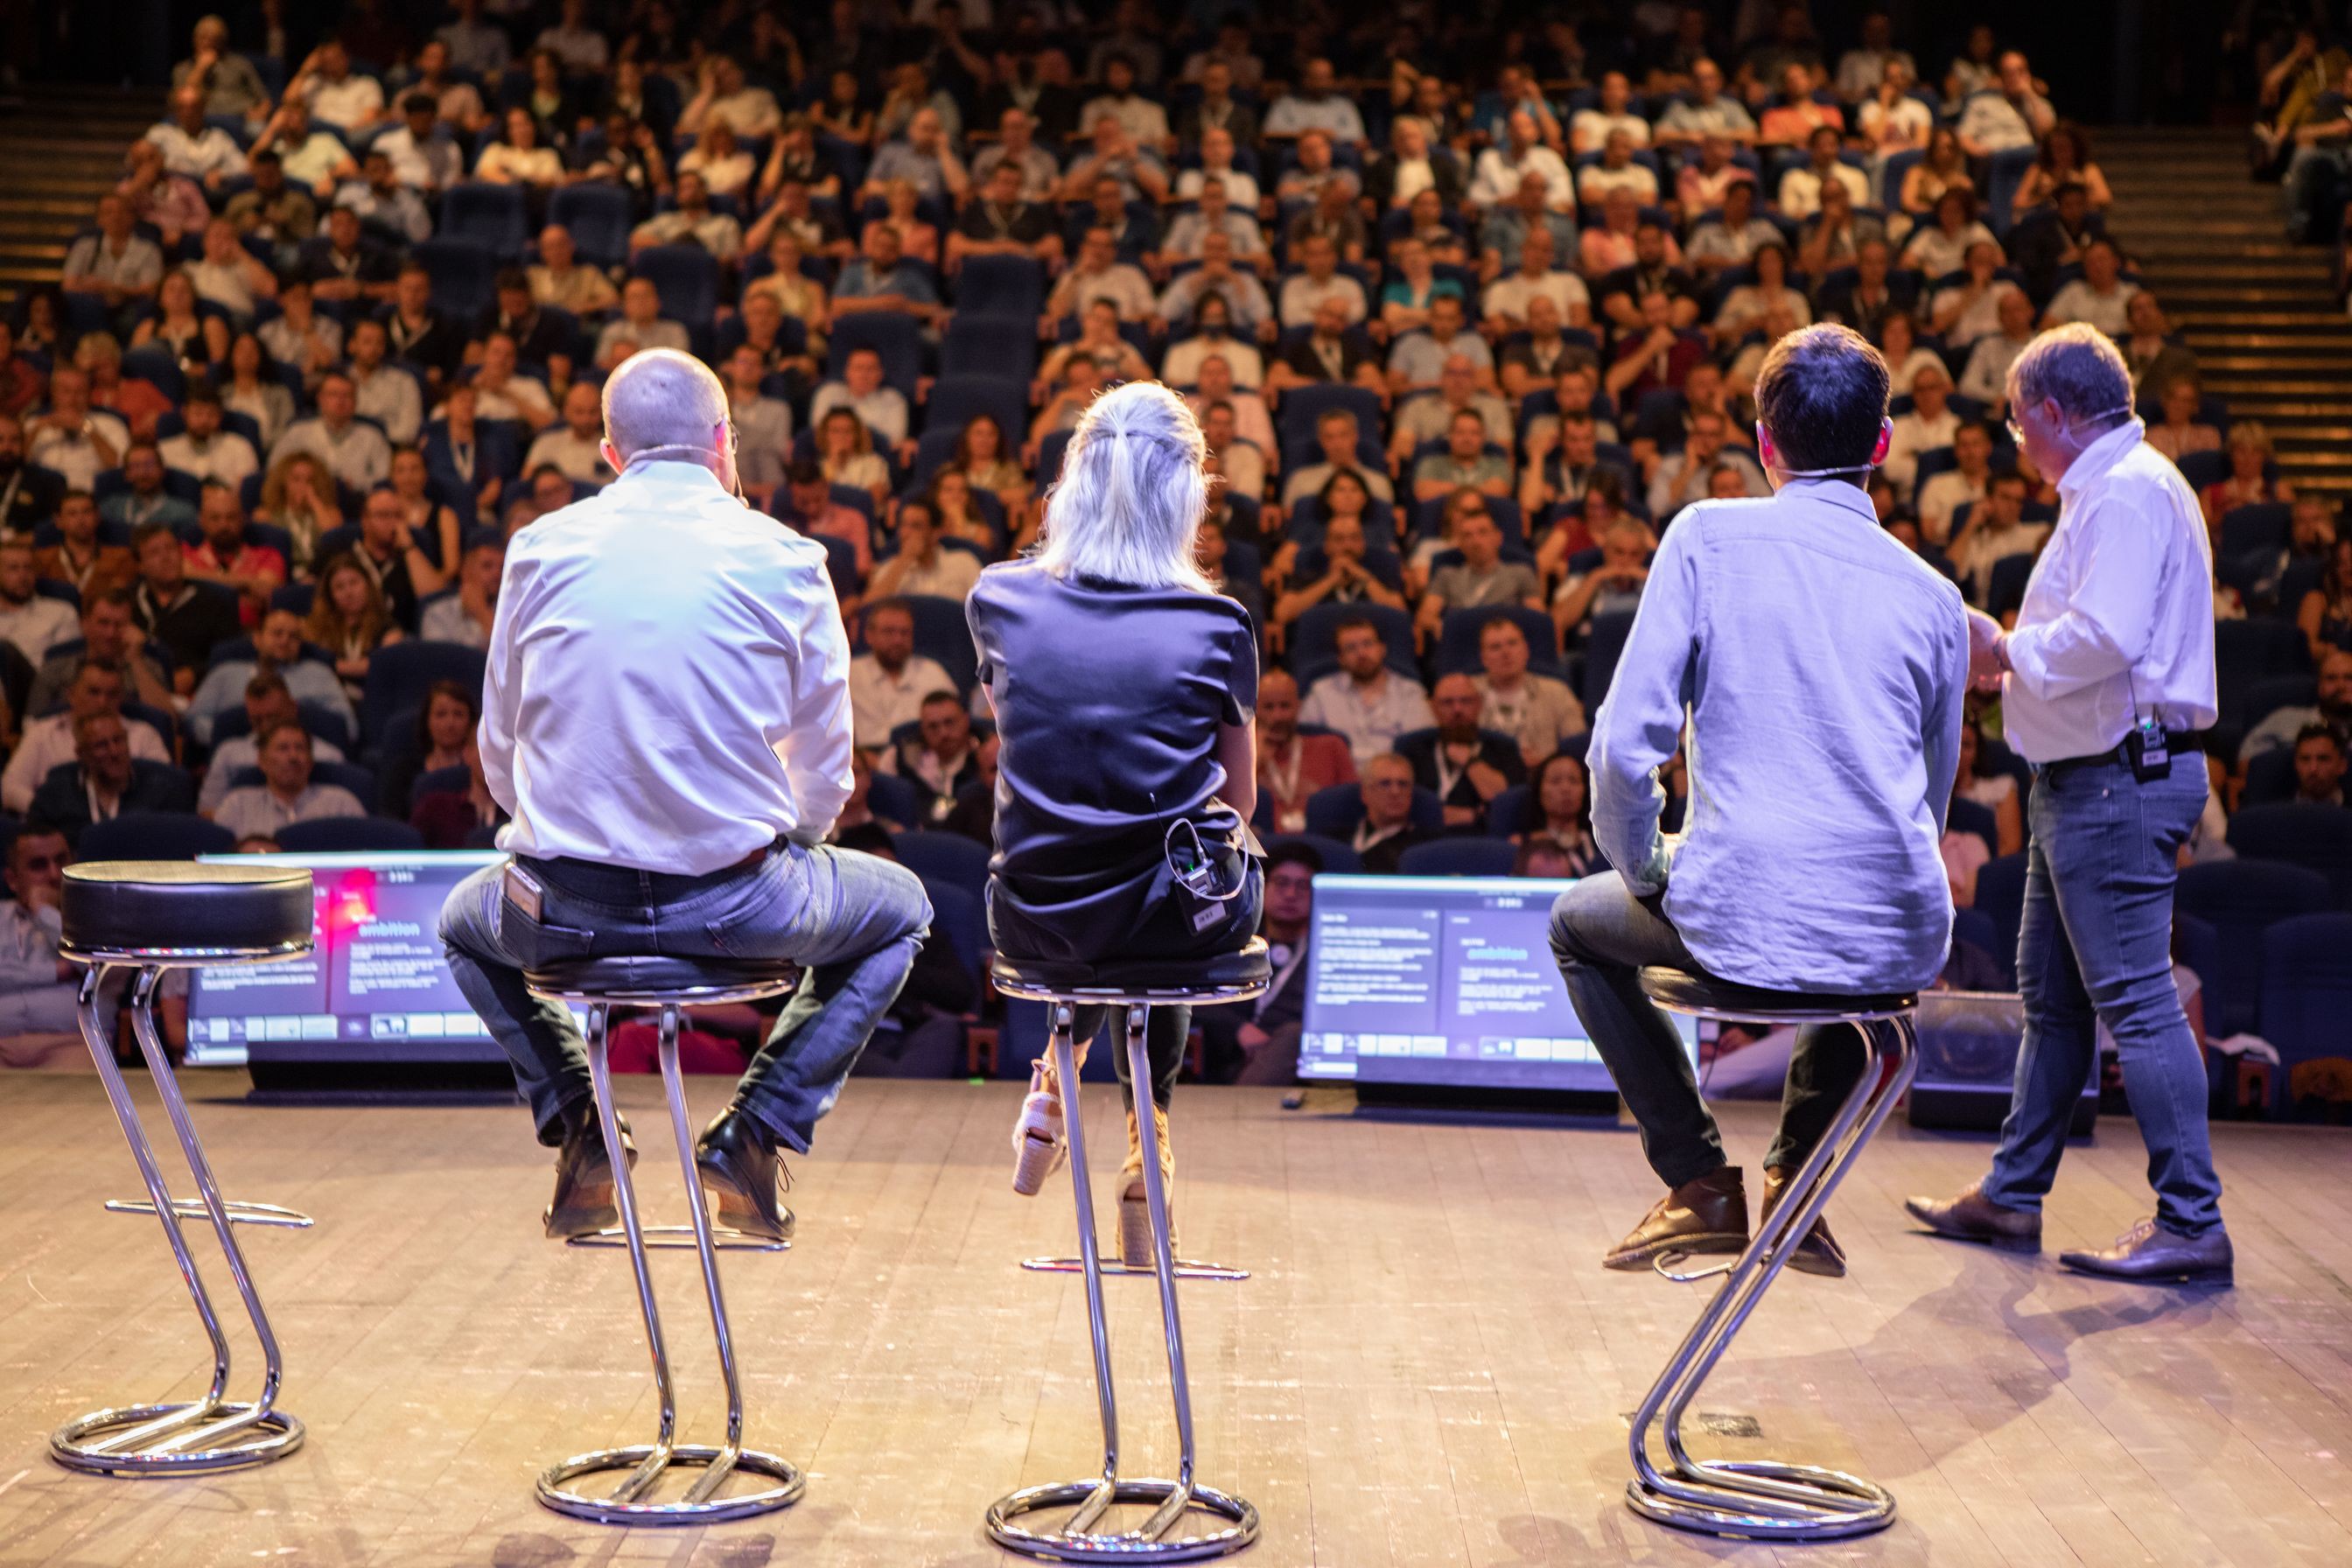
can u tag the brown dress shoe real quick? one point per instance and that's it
(2149, 1254)
(1709, 1215)
(1972, 1216)
(582, 1203)
(1819, 1252)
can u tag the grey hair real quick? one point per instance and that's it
(660, 397)
(1133, 489)
(2077, 367)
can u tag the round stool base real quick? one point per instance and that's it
(552, 1492)
(1112, 1546)
(1848, 1505)
(78, 1445)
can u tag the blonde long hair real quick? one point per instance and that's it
(1133, 489)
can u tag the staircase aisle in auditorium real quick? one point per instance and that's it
(60, 150)
(2270, 337)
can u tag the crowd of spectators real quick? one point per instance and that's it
(1468, 314)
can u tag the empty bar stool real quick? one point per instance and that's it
(1137, 987)
(1768, 1499)
(152, 916)
(669, 985)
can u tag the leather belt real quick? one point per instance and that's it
(2178, 742)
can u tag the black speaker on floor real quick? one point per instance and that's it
(1968, 1063)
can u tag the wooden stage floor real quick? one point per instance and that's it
(1427, 1368)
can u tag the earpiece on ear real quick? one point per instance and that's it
(1886, 440)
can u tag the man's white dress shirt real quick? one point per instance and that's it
(2118, 614)
(1820, 667)
(669, 680)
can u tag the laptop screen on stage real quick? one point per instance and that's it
(376, 988)
(1444, 981)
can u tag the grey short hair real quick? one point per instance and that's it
(2077, 367)
(1134, 486)
(660, 397)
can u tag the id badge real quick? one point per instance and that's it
(2150, 751)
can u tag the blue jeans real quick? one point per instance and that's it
(1601, 937)
(852, 921)
(2096, 944)
(2311, 174)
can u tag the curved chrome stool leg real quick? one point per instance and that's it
(1770, 1499)
(213, 1433)
(1077, 1540)
(631, 1503)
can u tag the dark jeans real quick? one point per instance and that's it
(2096, 943)
(1602, 936)
(851, 920)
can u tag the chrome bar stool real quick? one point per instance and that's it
(669, 985)
(151, 916)
(1768, 1499)
(1137, 987)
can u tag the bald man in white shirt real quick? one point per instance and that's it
(666, 715)
(2109, 670)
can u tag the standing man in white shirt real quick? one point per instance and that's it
(2109, 669)
(666, 716)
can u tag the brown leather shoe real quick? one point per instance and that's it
(1819, 1252)
(2149, 1254)
(582, 1203)
(736, 1161)
(1972, 1216)
(1709, 1215)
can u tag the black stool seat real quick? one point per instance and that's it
(178, 906)
(644, 976)
(1223, 972)
(1682, 992)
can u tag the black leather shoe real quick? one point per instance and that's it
(1709, 1215)
(582, 1203)
(1819, 1252)
(737, 1161)
(2148, 1254)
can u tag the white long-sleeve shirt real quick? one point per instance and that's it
(668, 686)
(2118, 613)
(1820, 667)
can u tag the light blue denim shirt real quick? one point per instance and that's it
(1822, 666)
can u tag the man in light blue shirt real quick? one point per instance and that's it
(1819, 667)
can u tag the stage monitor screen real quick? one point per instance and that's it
(1446, 981)
(376, 988)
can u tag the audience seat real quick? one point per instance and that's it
(686, 278)
(943, 633)
(2307, 995)
(949, 858)
(999, 346)
(462, 272)
(897, 338)
(1335, 812)
(401, 674)
(2263, 527)
(360, 781)
(1506, 814)
(1602, 644)
(347, 834)
(598, 218)
(2000, 898)
(2246, 652)
(1458, 636)
(2295, 833)
(893, 799)
(1008, 286)
(1314, 640)
(437, 780)
(493, 216)
(2242, 899)
(1459, 856)
(956, 400)
(155, 835)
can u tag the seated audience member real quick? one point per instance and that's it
(1292, 766)
(224, 558)
(1995, 791)
(267, 702)
(1985, 378)
(104, 780)
(1465, 464)
(48, 742)
(28, 494)
(287, 794)
(693, 221)
(562, 279)
(40, 1024)
(1482, 578)
(1996, 530)
(1969, 311)
(350, 617)
(888, 681)
(32, 620)
(1258, 1042)
(2319, 767)
(880, 407)
(451, 818)
(1537, 710)
(2250, 481)
(1617, 170)
(1687, 476)
(1801, 187)
(1345, 578)
(465, 614)
(1559, 814)
(2155, 358)
(1213, 335)
(74, 440)
(277, 651)
(1961, 485)
(1655, 355)
(2012, 116)
(1419, 360)
(188, 618)
(2284, 726)
(940, 758)
(573, 444)
(1004, 221)
(1387, 829)
(1365, 701)
(1464, 767)
(1613, 586)
(205, 451)
(143, 500)
(1520, 156)
(924, 565)
(382, 391)
(1506, 300)
(1338, 438)
(357, 454)
(806, 505)
(639, 327)
(110, 637)
(2101, 296)
(1929, 427)
(1744, 308)
(1531, 359)
(846, 457)
(1938, 250)
(882, 278)
(2181, 431)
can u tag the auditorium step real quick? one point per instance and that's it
(2261, 313)
(61, 149)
